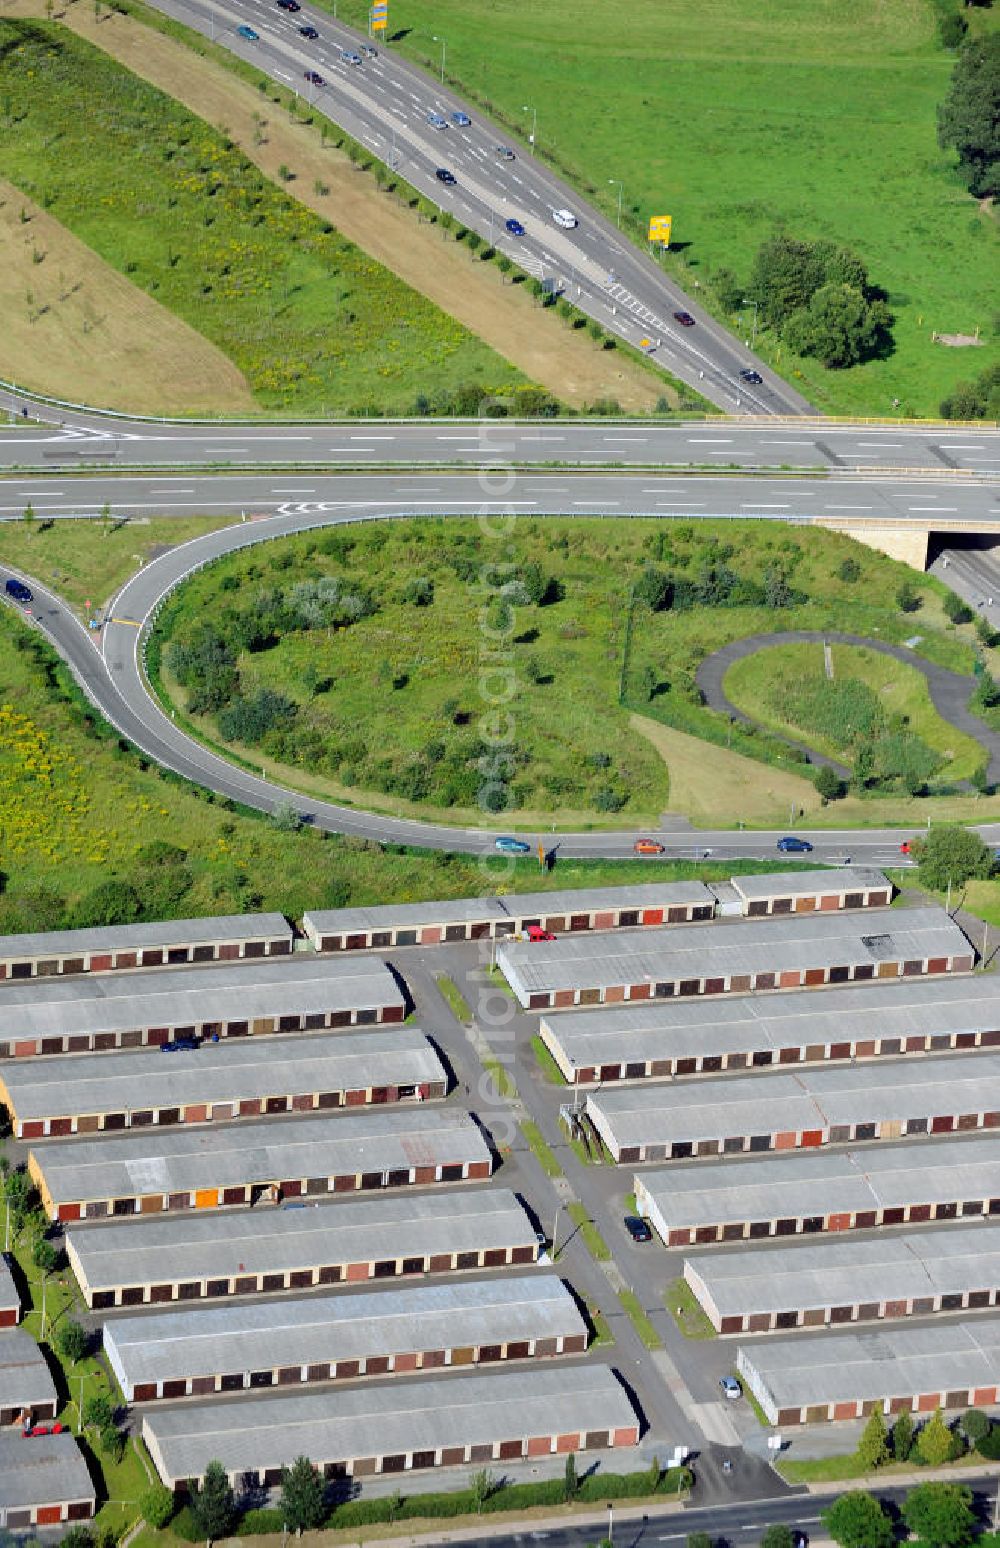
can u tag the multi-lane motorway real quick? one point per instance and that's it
(385, 103)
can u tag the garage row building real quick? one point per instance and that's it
(595, 908)
(815, 1284)
(803, 1194)
(10, 1300)
(108, 948)
(199, 1352)
(249, 999)
(735, 957)
(44, 1482)
(219, 1082)
(699, 1037)
(204, 1257)
(27, 1391)
(139, 1174)
(412, 1425)
(673, 1122)
(847, 1375)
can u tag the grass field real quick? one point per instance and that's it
(309, 320)
(683, 1306)
(421, 668)
(87, 329)
(742, 120)
(761, 685)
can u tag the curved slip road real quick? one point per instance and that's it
(111, 674)
(950, 691)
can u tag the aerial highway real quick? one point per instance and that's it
(387, 104)
(111, 672)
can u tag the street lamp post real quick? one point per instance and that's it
(753, 344)
(620, 187)
(444, 52)
(534, 123)
(611, 1525)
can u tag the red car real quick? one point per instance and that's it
(648, 847)
(904, 848)
(536, 933)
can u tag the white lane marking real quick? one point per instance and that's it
(587, 504)
(171, 491)
(244, 449)
(372, 437)
(759, 506)
(848, 507)
(640, 440)
(708, 440)
(960, 446)
(276, 490)
(543, 438)
(881, 445)
(34, 492)
(937, 510)
(772, 441)
(458, 438)
(687, 505)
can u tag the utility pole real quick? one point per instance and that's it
(555, 1233)
(534, 124)
(753, 343)
(444, 50)
(611, 1525)
(620, 187)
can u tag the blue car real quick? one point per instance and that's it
(511, 846)
(514, 227)
(248, 33)
(179, 1044)
(18, 590)
(461, 119)
(794, 846)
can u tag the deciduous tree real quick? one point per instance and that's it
(969, 116)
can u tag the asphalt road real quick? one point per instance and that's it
(384, 104)
(82, 439)
(112, 675)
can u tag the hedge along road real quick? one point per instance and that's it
(112, 676)
(949, 691)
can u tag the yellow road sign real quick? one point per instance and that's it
(659, 228)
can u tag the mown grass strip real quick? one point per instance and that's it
(454, 998)
(501, 1078)
(540, 1148)
(633, 1309)
(546, 1063)
(683, 1306)
(596, 1245)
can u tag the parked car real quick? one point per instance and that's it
(177, 1044)
(511, 846)
(731, 1388)
(444, 176)
(314, 78)
(514, 227)
(794, 846)
(751, 376)
(565, 218)
(506, 153)
(18, 590)
(685, 319)
(436, 121)
(648, 847)
(536, 933)
(461, 119)
(249, 34)
(638, 1229)
(308, 32)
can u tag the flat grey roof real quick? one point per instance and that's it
(896, 1362)
(801, 1184)
(812, 1098)
(844, 1271)
(745, 1023)
(803, 884)
(220, 1072)
(729, 947)
(157, 932)
(182, 996)
(47, 1470)
(387, 1419)
(191, 1246)
(270, 1151)
(347, 921)
(8, 1290)
(255, 1335)
(24, 1376)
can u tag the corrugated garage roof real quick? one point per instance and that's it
(798, 1185)
(47, 1470)
(220, 1072)
(386, 1420)
(193, 1246)
(8, 1290)
(812, 1098)
(156, 932)
(730, 947)
(804, 884)
(891, 1362)
(24, 1376)
(744, 1023)
(846, 1271)
(262, 1152)
(316, 1329)
(184, 996)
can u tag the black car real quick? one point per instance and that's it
(751, 376)
(314, 78)
(18, 590)
(638, 1229)
(685, 319)
(444, 176)
(289, 5)
(308, 32)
